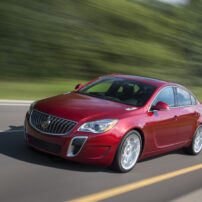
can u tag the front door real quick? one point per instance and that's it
(164, 125)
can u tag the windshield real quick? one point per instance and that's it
(120, 90)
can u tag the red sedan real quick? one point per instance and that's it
(116, 120)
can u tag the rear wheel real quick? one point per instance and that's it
(196, 145)
(128, 152)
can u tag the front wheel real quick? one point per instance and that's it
(196, 145)
(128, 152)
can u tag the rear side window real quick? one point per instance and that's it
(193, 100)
(183, 97)
(166, 95)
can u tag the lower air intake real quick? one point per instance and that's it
(76, 145)
(54, 148)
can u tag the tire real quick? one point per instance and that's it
(128, 152)
(196, 145)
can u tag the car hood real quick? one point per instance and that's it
(75, 106)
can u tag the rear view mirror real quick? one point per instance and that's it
(160, 106)
(78, 86)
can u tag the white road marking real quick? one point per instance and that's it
(13, 104)
(17, 101)
(11, 131)
(193, 196)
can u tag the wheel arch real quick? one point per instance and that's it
(142, 136)
(140, 132)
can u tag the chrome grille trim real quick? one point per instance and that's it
(57, 126)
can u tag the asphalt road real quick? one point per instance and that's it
(30, 175)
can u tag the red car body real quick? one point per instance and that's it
(161, 131)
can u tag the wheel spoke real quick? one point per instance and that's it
(198, 141)
(130, 151)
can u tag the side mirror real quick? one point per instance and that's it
(160, 106)
(78, 86)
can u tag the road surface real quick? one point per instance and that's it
(30, 175)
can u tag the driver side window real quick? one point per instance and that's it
(166, 95)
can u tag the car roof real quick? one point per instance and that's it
(151, 81)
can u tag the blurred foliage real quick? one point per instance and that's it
(83, 39)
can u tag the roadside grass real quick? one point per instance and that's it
(34, 90)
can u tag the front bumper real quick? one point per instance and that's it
(98, 149)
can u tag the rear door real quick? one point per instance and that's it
(187, 113)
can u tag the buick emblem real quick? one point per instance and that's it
(46, 123)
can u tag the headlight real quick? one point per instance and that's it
(32, 106)
(100, 126)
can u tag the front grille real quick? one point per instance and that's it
(44, 145)
(50, 124)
